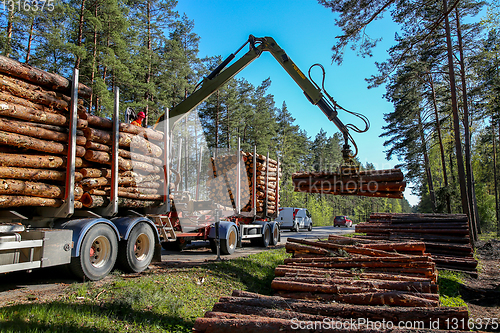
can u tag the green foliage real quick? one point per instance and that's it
(167, 301)
(449, 288)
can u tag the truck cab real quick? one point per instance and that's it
(294, 218)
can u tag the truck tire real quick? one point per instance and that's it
(310, 227)
(135, 253)
(275, 237)
(266, 236)
(98, 253)
(228, 245)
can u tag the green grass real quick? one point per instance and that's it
(486, 236)
(449, 288)
(167, 301)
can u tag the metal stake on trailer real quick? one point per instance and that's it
(112, 208)
(68, 207)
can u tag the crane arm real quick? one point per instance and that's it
(219, 77)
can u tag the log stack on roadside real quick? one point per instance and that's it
(223, 182)
(446, 236)
(34, 122)
(249, 312)
(372, 183)
(139, 162)
(329, 271)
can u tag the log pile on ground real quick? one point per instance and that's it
(223, 182)
(349, 285)
(332, 271)
(249, 312)
(372, 183)
(34, 122)
(446, 236)
(140, 180)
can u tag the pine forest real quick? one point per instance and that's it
(442, 78)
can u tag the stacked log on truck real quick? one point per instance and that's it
(34, 122)
(140, 181)
(358, 287)
(223, 182)
(446, 236)
(34, 136)
(371, 183)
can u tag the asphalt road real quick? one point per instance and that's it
(200, 252)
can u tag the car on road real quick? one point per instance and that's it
(342, 220)
(294, 218)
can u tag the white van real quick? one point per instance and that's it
(294, 218)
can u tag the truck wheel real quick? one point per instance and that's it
(310, 227)
(98, 253)
(135, 254)
(266, 236)
(228, 245)
(275, 235)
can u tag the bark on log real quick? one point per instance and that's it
(374, 313)
(139, 157)
(291, 247)
(125, 140)
(134, 203)
(39, 77)
(24, 113)
(287, 270)
(35, 174)
(36, 161)
(231, 310)
(393, 298)
(97, 146)
(408, 247)
(347, 248)
(104, 123)
(23, 141)
(329, 285)
(33, 189)
(95, 173)
(93, 201)
(8, 201)
(33, 93)
(26, 128)
(123, 164)
(11, 99)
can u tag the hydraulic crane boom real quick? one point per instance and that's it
(313, 92)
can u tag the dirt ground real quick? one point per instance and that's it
(482, 294)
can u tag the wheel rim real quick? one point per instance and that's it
(100, 251)
(267, 234)
(232, 239)
(142, 247)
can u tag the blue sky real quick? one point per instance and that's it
(306, 31)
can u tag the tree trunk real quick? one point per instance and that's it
(456, 124)
(468, 163)
(7, 201)
(30, 39)
(10, 28)
(94, 57)
(495, 178)
(36, 161)
(441, 147)
(427, 165)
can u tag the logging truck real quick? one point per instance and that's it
(90, 192)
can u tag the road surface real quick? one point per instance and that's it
(200, 252)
